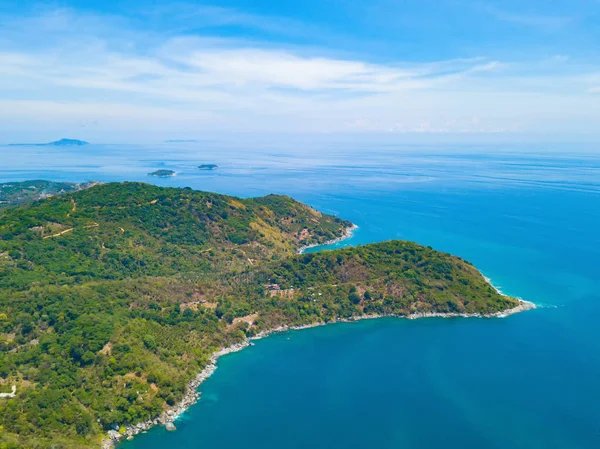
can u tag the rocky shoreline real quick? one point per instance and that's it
(192, 395)
(349, 232)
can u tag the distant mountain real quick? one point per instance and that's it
(67, 143)
(56, 143)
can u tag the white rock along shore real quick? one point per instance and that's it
(192, 395)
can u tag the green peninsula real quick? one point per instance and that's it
(113, 298)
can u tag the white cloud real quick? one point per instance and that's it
(189, 70)
(88, 70)
(530, 20)
(185, 16)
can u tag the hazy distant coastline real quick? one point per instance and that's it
(57, 143)
(181, 141)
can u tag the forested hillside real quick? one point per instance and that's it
(114, 297)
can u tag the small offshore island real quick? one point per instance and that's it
(129, 290)
(162, 173)
(208, 166)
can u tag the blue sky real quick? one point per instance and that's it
(92, 69)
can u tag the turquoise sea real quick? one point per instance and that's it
(528, 216)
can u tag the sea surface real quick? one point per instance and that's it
(527, 215)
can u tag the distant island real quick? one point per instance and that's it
(56, 143)
(181, 141)
(116, 297)
(162, 173)
(208, 166)
(67, 143)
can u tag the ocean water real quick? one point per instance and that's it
(528, 216)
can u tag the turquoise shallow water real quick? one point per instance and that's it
(527, 219)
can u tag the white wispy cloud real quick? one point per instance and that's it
(102, 70)
(188, 68)
(530, 20)
(183, 17)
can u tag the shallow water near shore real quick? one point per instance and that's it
(527, 220)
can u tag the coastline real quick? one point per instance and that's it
(192, 395)
(348, 232)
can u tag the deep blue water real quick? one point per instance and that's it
(527, 216)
